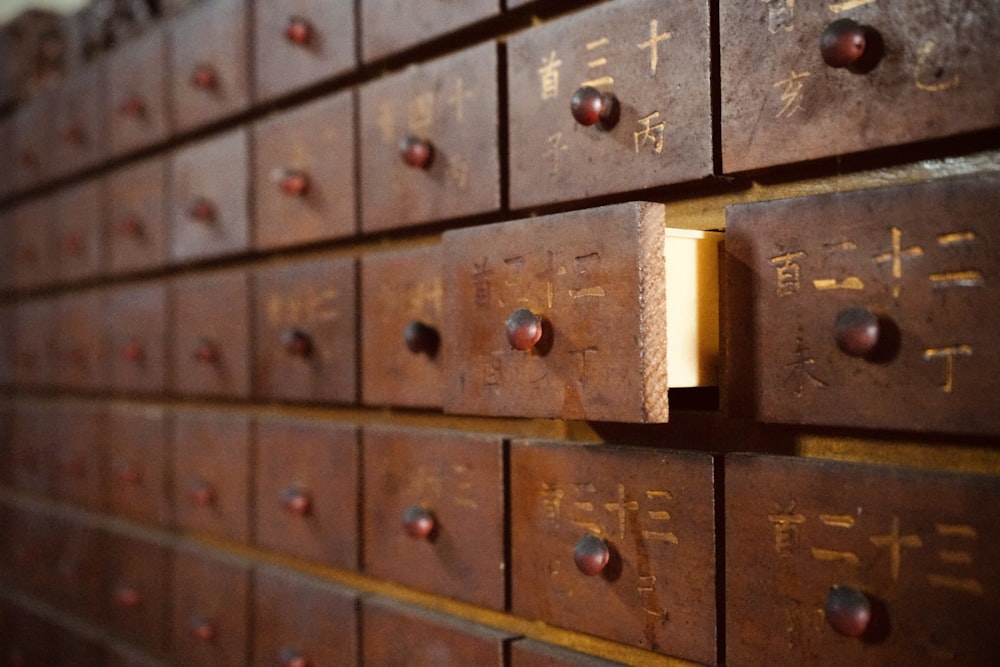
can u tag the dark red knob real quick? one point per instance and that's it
(134, 353)
(418, 522)
(207, 352)
(524, 329)
(590, 106)
(130, 227)
(129, 473)
(292, 657)
(204, 77)
(296, 500)
(418, 153)
(856, 331)
(591, 554)
(29, 159)
(201, 209)
(848, 611)
(201, 493)
(133, 107)
(297, 343)
(26, 255)
(291, 182)
(74, 134)
(203, 629)
(76, 356)
(126, 595)
(421, 338)
(843, 43)
(299, 30)
(74, 245)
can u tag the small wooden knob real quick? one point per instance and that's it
(418, 522)
(591, 555)
(201, 209)
(134, 353)
(299, 30)
(130, 227)
(297, 343)
(207, 352)
(856, 331)
(417, 153)
(126, 595)
(292, 657)
(843, 43)
(76, 356)
(291, 181)
(75, 135)
(132, 107)
(590, 106)
(203, 629)
(204, 77)
(297, 501)
(848, 611)
(201, 493)
(73, 245)
(129, 473)
(524, 329)
(421, 338)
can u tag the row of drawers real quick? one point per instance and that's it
(592, 104)
(624, 543)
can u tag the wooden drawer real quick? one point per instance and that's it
(300, 620)
(398, 634)
(401, 327)
(78, 568)
(388, 26)
(34, 344)
(832, 563)
(298, 43)
(138, 464)
(7, 360)
(138, 113)
(209, 198)
(33, 230)
(77, 239)
(584, 296)
(78, 649)
(137, 589)
(304, 173)
(211, 479)
(434, 512)
(602, 544)
(532, 653)
(211, 609)
(80, 354)
(7, 159)
(211, 341)
(79, 120)
(32, 447)
(305, 336)
(78, 454)
(872, 308)
(209, 60)
(137, 345)
(430, 138)
(900, 74)
(25, 637)
(33, 141)
(307, 487)
(31, 552)
(611, 99)
(7, 251)
(136, 222)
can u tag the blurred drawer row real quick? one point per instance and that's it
(594, 106)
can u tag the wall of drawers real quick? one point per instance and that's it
(515, 333)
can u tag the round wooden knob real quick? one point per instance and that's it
(843, 43)
(296, 500)
(417, 153)
(126, 595)
(130, 227)
(524, 329)
(591, 554)
(299, 30)
(291, 181)
(292, 657)
(590, 106)
(29, 159)
(421, 338)
(201, 209)
(848, 611)
(204, 77)
(296, 343)
(856, 331)
(201, 493)
(132, 107)
(77, 357)
(73, 245)
(129, 473)
(207, 352)
(134, 353)
(419, 522)
(203, 629)
(74, 134)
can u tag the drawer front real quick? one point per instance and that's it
(79, 453)
(305, 336)
(31, 552)
(26, 638)
(429, 639)
(434, 512)
(7, 360)
(899, 74)
(859, 318)
(137, 93)
(401, 326)
(611, 99)
(391, 25)
(32, 447)
(304, 170)
(137, 589)
(78, 243)
(137, 346)
(602, 544)
(298, 43)
(81, 360)
(560, 316)
(138, 464)
(532, 653)
(34, 346)
(209, 198)
(832, 563)
(430, 137)
(78, 568)
(33, 230)
(299, 620)
(79, 120)
(136, 222)
(209, 58)
(307, 488)
(7, 160)
(210, 610)
(211, 342)
(212, 473)
(33, 149)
